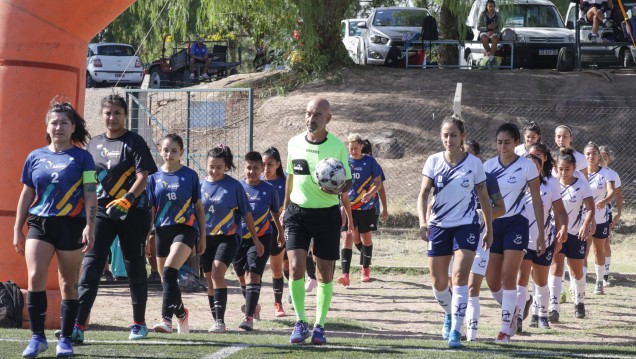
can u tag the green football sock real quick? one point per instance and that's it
(323, 301)
(297, 290)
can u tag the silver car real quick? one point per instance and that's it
(385, 27)
(113, 63)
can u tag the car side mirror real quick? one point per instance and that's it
(570, 25)
(362, 25)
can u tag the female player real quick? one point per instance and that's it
(531, 135)
(273, 174)
(58, 202)
(177, 212)
(123, 163)
(602, 185)
(489, 27)
(532, 262)
(607, 156)
(453, 226)
(225, 203)
(563, 138)
(577, 197)
(264, 207)
(366, 176)
(514, 175)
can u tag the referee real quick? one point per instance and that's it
(312, 212)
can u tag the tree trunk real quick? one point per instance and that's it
(448, 54)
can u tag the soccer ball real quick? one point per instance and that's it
(330, 174)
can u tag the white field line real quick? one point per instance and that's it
(225, 352)
(380, 349)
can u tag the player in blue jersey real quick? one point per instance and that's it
(555, 231)
(58, 203)
(607, 156)
(179, 220)
(367, 179)
(264, 205)
(602, 185)
(123, 163)
(273, 174)
(225, 204)
(579, 204)
(453, 225)
(515, 175)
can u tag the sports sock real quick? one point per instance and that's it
(459, 302)
(542, 300)
(444, 298)
(311, 267)
(608, 261)
(498, 295)
(508, 305)
(211, 302)
(220, 301)
(323, 301)
(600, 272)
(346, 254)
(579, 291)
(68, 309)
(367, 253)
(555, 285)
(244, 291)
(472, 317)
(251, 298)
(522, 297)
(297, 290)
(286, 274)
(171, 293)
(36, 308)
(277, 285)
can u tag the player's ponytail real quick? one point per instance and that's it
(224, 152)
(567, 155)
(273, 153)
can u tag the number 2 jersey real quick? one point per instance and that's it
(225, 204)
(363, 172)
(174, 196)
(57, 178)
(118, 160)
(263, 201)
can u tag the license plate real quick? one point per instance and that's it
(548, 52)
(120, 75)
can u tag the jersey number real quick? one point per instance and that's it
(355, 176)
(54, 177)
(172, 196)
(108, 164)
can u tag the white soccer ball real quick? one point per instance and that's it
(330, 174)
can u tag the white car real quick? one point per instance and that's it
(351, 38)
(112, 63)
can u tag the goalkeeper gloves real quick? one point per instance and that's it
(118, 209)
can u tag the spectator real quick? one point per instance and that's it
(489, 29)
(199, 54)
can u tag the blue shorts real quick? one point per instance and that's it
(510, 233)
(444, 241)
(602, 231)
(574, 248)
(545, 259)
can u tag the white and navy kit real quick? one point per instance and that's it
(573, 197)
(598, 184)
(613, 177)
(480, 263)
(550, 193)
(510, 231)
(454, 222)
(521, 150)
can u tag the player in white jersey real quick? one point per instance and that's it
(515, 175)
(554, 228)
(607, 156)
(563, 138)
(531, 135)
(453, 225)
(579, 204)
(602, 186)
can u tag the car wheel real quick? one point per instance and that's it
(158, 79)
(364, 56)
(628, 58)
(565, 60)
(89, 81)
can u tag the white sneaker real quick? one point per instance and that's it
(205, 76)
(163, 327)
(182, 324)
(217, 327)
(192, 77)
(310, 285)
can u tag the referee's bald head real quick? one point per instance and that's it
(321, 103)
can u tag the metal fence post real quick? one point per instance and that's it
(187, 134)
(250, 130)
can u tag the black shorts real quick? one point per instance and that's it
(321, 224)
(275, 249)
(167, 235)
(247, 259)
(64, 233)
(364, 221)
(544, 260)
(574, 248)
(221, 248)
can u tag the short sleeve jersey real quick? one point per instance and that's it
(174, 196)
(263, 201)
(513, 181)
(613, 176)
(550, 193)
(198, 51)
(57, 178)
(225, 203)
(581, 161)
(453, 204)
(363, 172)
(279, 186)
(521, 150)
(302, 157)
(573, 197)
(118, 160)
(598, 184)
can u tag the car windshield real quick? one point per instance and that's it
(115, 50)
(400, 17)
(520, 15)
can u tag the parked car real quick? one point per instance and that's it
(111, 63)
(351, 38)
(385, 27)
(536, 27)
(615, 48)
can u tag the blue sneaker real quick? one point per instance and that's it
(138, 331)
(454, 341)
(446, 327)
(77, 336)
(318, 335)
(37, 345)
(300, 333)
(64, 349)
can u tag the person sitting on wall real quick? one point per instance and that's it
(199, 54)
